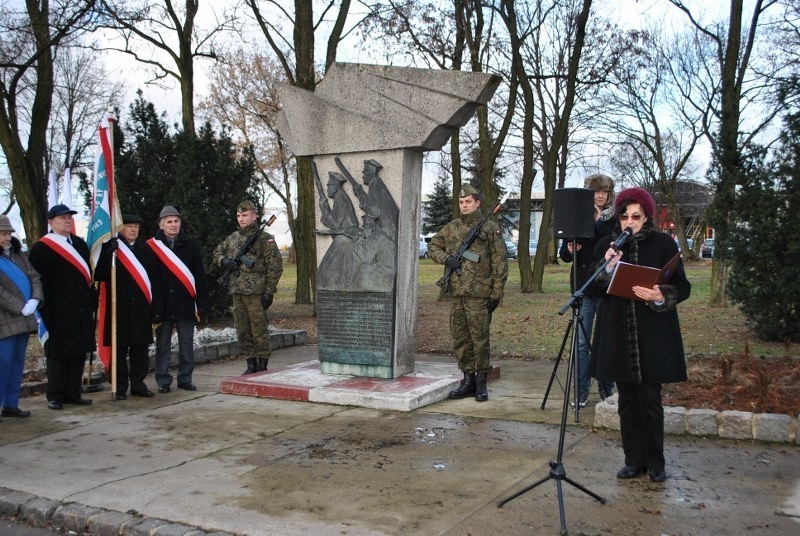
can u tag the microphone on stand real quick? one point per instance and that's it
(622, 238)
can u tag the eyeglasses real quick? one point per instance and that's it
(634, 217)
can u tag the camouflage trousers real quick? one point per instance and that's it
(469, 327)
(252, 324)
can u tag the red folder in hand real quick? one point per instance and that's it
(626, 276)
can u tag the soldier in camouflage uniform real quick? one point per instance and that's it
(476, 291)
(253, 285)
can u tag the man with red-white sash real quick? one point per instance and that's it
(185, 297)
(62, 260)
(139, 304)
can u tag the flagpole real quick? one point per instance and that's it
(112, 200)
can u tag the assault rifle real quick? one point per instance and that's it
(462, 253)
(241, 255)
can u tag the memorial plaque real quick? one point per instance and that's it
(355, 327)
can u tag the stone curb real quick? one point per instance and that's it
(706, 422)
(79, 518)
(207, 353)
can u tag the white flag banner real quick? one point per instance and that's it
(66, 191)
(52, 192)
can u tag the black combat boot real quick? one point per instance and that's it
(467, 387)
(262, 364)
(481, 394)
(252, 366)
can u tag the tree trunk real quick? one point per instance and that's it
(29, 189)
(306, 255)
(728, 155)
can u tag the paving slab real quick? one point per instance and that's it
(245, 465)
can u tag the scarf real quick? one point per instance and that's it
(630, 308)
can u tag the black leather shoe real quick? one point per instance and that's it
(147, 393)
(164, 389)
(15, 412)
(52, 404)
(79, 402)
(657, 476)
(187, 387)
(631, 471)
(120, 396)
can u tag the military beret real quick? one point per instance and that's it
(246, 205)
(468, 190)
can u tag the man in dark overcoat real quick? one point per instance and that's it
(185, 297)
(138, 301)
(62, 260)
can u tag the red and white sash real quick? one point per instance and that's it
(174, 265)
(137, 271)
(69, 254)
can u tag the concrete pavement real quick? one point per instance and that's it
(204, 462)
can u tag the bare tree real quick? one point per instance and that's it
(27, 42)
(243, 95)
(83, 93)
(548, 47)
(647, 107)
(453, 36)
(734, 43)
(163, 36)
(296, 57)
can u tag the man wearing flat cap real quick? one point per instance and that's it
(62, 260)
(476, 288)
(253, 283)
(184, 291)
(139, 305)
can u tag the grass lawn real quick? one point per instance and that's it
(528, 326)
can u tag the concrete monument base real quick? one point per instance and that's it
(429, 383)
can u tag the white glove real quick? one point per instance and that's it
(30, 307)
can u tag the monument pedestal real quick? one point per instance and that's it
(367, 127)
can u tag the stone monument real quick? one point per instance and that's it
(367, 127)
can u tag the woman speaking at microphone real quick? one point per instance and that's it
(638, 342)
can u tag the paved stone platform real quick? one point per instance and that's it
(195, 463)
(429, 383)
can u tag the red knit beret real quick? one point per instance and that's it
(636, 195)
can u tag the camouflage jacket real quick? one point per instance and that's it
(267, 267)
(483, 279)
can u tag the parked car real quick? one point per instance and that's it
(707, 249)
(511, 250)
(689, 242)
(423, 249)
(532, 247)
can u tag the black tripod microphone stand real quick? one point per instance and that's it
(576, 323)
(557, 471)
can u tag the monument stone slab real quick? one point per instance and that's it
(367, 127)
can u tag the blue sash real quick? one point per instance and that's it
(20, 278)
(17, 276)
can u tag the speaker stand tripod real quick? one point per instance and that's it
(557, 471)
(579, 330)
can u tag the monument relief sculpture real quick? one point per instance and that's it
(382, 118)
(338, 266)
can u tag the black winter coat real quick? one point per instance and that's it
(134, 313)
(660, 343)
(69, 301)
(584, 265)
(177, 303)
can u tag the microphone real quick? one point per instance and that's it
(622, 238)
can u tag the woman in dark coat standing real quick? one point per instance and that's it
(638, 342)
(20, 296)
